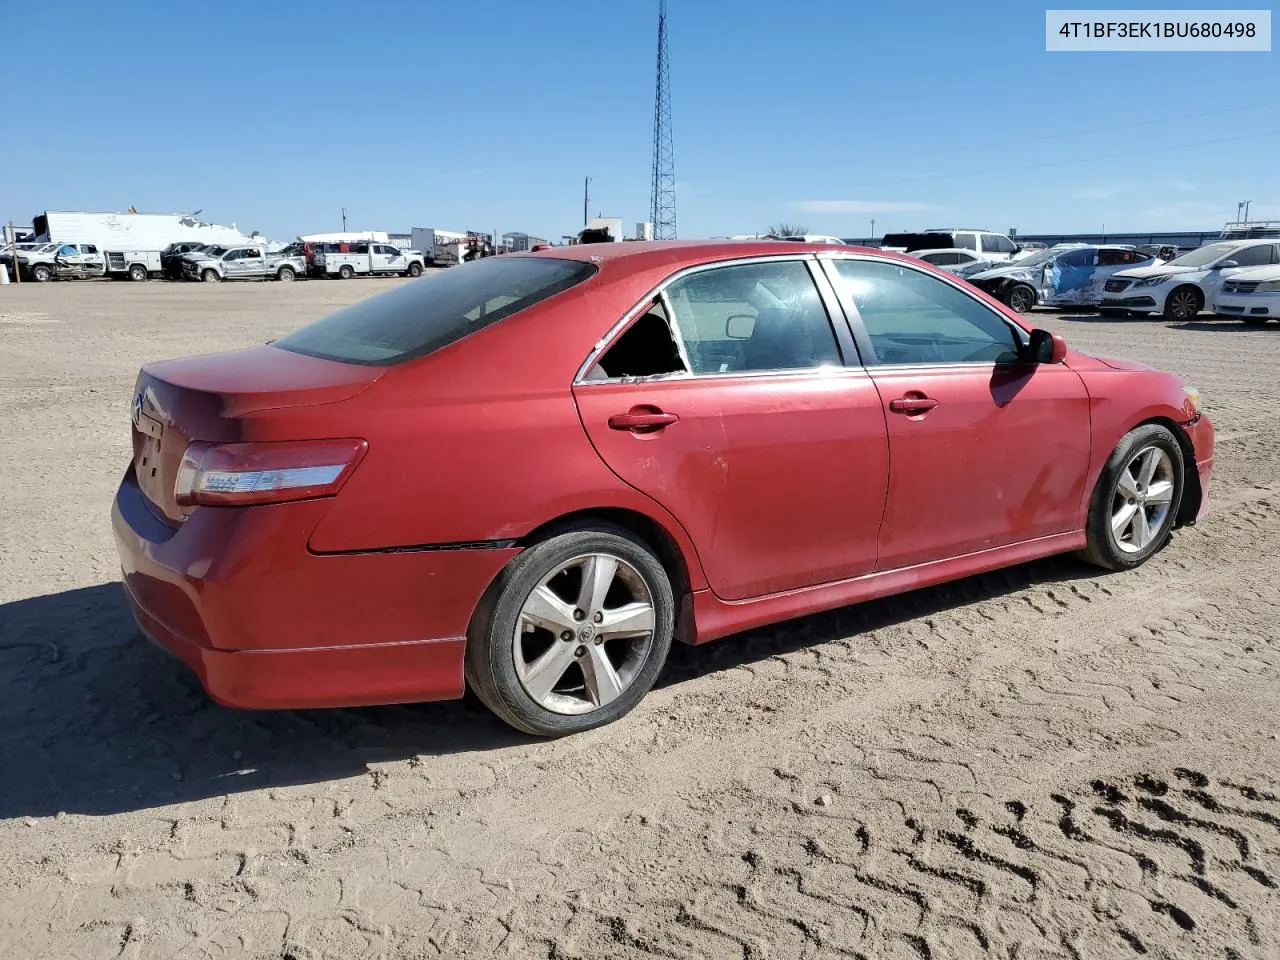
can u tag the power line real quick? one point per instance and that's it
(1149, 123)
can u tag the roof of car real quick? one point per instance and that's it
(645, 252)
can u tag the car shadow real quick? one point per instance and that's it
(95, 721)
(1229, 324)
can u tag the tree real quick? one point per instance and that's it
(787, 230)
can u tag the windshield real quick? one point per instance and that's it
(1204, 256)
(435, 311)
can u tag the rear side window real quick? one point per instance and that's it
(966, 240)
(435, 311)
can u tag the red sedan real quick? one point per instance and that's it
(533, 472)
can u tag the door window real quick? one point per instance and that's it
(1258, 256)
(233, 255)
(995, 244)
(67, 250)
(752, 317)
(945, 259)
(912, 317)
(966, 240)
(253, 254)
(88, 248)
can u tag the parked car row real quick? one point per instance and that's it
(1184, 286)
(211, 262)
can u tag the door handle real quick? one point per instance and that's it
(642, 420)
(913, 403)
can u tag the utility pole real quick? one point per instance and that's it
(586, 200)
(873, 228)
(344, 219)
(1246, 212)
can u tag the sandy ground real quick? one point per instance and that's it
(1041, 763)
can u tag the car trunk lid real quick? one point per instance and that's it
(207, 397)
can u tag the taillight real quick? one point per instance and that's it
(238, 474)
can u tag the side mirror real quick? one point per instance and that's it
(1225, 264)
(1046, 347)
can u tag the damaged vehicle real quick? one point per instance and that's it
(1072, 277)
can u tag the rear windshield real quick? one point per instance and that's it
(436, 310)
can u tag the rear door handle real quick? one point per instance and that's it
(642, 420)
(913, 404)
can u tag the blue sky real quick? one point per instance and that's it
(483, 115)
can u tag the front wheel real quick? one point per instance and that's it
(1183, 303)
(1021, 299)
(574, 633)
(41, 273)
(1136, 500)
(211, 276)
(415, 269)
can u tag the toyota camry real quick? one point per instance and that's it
(533, 473)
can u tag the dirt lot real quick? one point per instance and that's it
(1040, 763)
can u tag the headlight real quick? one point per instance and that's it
(1151, 281)
(1193, 397)
(1268, 286)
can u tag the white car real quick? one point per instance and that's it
(1252, 295)
(952, 260)
(1182, 287)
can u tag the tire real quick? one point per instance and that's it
(285, 274)
(41, 273)
(211, 276)
(415, 270)
(1126, 550)
(501, 633)
(345, 272)
(1021, 298)
(138, 272)
(1183, 303)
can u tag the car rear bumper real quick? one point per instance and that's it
(237, 596)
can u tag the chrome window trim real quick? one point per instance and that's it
(855, 318)
(658, 292)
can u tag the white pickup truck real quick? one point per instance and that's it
(67, 261)
(369, 258)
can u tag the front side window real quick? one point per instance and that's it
(912, 317)
(752, 317)
(89, 248)
(1258, 256)
(991, 244)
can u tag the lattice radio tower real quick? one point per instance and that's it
(662, 197)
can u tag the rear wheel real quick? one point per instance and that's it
(345, 272)
(285, 274)
(1136, 500)
(1021, 298)
(211, 276)
(573, 634)
(1183, 303)
(137, 272)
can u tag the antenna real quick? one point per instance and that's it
(662, 198)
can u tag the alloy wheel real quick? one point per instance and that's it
(584, 633)
(1142, 499)
(1184, 304)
